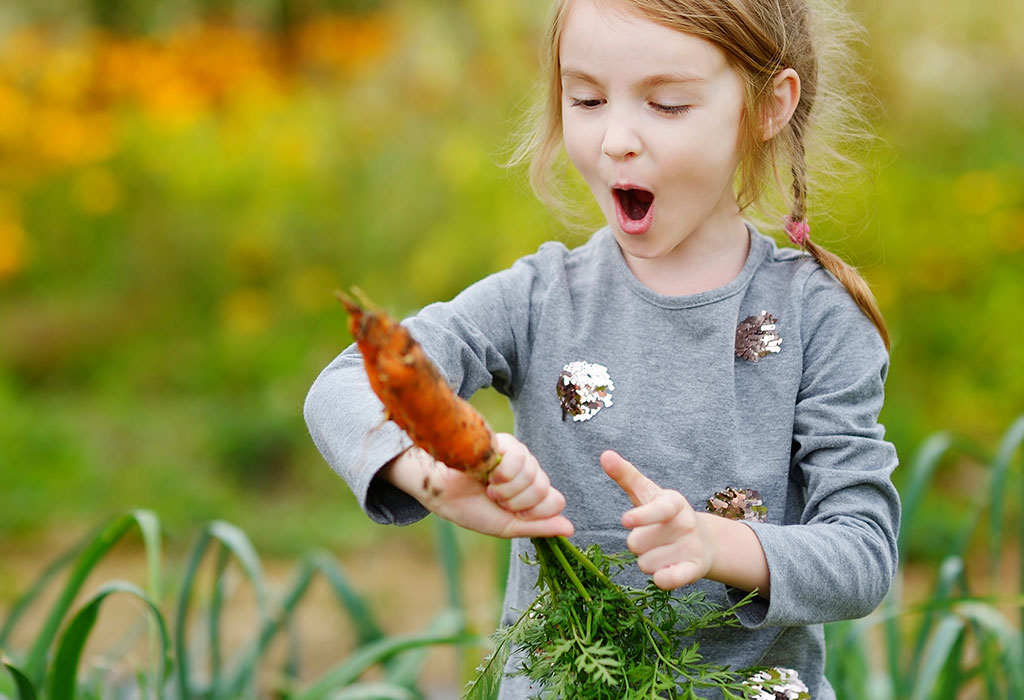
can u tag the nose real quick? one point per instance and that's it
(621, 139)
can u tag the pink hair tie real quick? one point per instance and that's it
(799, 232)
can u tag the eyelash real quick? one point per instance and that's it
(664, 109)
(671, 109)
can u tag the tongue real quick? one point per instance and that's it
(636, 203)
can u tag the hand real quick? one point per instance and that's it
(519, 501)
(670, 541)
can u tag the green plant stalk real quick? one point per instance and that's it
(560, 556)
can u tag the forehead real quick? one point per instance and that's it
(611, 35)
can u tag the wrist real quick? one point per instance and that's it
(737, 558)
(408, 472)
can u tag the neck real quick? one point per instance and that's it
(698, 264)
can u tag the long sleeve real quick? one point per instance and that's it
(478, 339)
(838, 561)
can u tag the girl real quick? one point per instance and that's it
(677, 367)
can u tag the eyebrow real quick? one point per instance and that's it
(649, 81)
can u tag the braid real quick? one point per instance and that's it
(800, 55)
(843, 271)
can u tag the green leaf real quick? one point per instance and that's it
(95, 549)
(998, 492)
(26, 691)
(951, 577)
(367, 628)
(52, 569)
(375, 691)
(238, 543)
(372, 654)
(938, 653)
(923, 466)
(992, 626)
(404, 670)
(488, 680)
(63, 677)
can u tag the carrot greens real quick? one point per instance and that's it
(584, 636)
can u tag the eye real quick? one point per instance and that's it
(586, 104)
(670, 109)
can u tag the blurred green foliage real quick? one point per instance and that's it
(183, 184)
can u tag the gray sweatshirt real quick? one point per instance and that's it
(787, 408)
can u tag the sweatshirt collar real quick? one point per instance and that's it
(759, 249)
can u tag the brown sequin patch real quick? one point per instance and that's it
(583, 389)
(738, 504)
(756, 337)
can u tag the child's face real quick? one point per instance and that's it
(651, 119)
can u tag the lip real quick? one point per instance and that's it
(632, 227)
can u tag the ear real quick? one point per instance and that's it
(782, 103)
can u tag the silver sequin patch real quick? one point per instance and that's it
(738, 504)
(777, 684)
(584, 388)
(756, 337)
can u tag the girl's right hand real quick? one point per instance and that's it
(519, 500)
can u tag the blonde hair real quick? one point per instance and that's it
(759, 38)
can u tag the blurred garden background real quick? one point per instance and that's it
(184, 183)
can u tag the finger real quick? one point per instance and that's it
(532, 495)
(513, 457)
(677, 575)
(648, 537)
(515, 479)
(663, 508)
(525, 491)
(657, 558)
(638, 487)
(549, 527)
(553, 504)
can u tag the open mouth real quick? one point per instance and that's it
(635, 203)
(634, 209)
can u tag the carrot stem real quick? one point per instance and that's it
(560, 556)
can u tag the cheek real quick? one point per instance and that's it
(709, 148)
(574, 144)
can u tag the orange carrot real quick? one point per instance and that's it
(415, 395)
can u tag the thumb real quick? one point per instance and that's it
(638, 487)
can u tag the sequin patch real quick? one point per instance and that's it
(756, 337)
(738, 504)
(584, 388)
(777, 684)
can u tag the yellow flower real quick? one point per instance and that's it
(15, 115)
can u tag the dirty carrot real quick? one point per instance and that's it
(415, 395)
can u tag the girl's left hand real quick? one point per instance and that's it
(670, 541)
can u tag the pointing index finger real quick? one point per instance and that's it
(638, 487)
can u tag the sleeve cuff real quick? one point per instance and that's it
(754, 613)
(389, 505)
